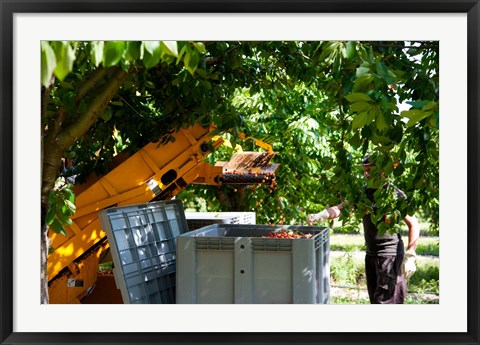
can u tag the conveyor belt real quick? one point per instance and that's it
(250, 168)
(250, 162)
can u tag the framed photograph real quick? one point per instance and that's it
(24, 319)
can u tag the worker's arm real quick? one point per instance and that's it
(408, 263)
(335, 211)
(413, 232)
(328, 213)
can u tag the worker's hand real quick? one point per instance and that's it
(408, 263)
(318, 217)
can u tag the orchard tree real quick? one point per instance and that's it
(322, 105)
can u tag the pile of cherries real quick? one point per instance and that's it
(287, 234)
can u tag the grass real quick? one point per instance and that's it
(355, 242)
(105, 266)
(348, 300)
(347, 242)
(425, 278)
(345, 270)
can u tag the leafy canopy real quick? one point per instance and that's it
(321, 105)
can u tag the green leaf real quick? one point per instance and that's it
(214, 76)
(206, 84)
(149, 84)
(65, 63)
(388, 168)
(66, 85)
(194, 59)
(170, 48)
(361, 106)
(417, 104)
(70, 206)
(186, 59)
(360, 120)
(383, 72)
(52, 197)
(200, 47)
(152, 46)
(358, 96)
(50, 216)
(329, 50)
(430, 106)
(363, 82)
(380, 120)
(414, 116)
(59, 182)
(362, 70)
(59, 48)
(396, 134)
(152, 54)
(57, 227)
(113, 52)
(327, 163)
(432, 122)
(64, 219)
(184, 48)
(356, 141)
(202, 73)
(125, 65)
(69, 102)
(48, 61)
(96, 52)
(350, 50)
(107, 114)
(192, 62)
(134, 50)
(69, 195)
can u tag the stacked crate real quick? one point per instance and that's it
(142, 239)
(197, 220)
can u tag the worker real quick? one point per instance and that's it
(387, 264)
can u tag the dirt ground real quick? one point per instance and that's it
(361, 295)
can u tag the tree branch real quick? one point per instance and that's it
(43, 114)
(389, 45)
(78, 128)
(209, 61)
(45, 97)
(91, 82)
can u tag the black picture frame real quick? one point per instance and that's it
(11, 7)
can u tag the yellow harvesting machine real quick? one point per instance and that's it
(156, 172)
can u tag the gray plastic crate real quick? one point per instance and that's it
(197, 220)
(233, 263)
(142, 242)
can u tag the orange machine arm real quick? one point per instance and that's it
(258, 142)
(72, 267)
(154, 172)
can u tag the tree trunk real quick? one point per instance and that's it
(232, 201)
(44, 243)
(52, 158)
(56, 140)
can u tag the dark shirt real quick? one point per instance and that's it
(386, 245)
